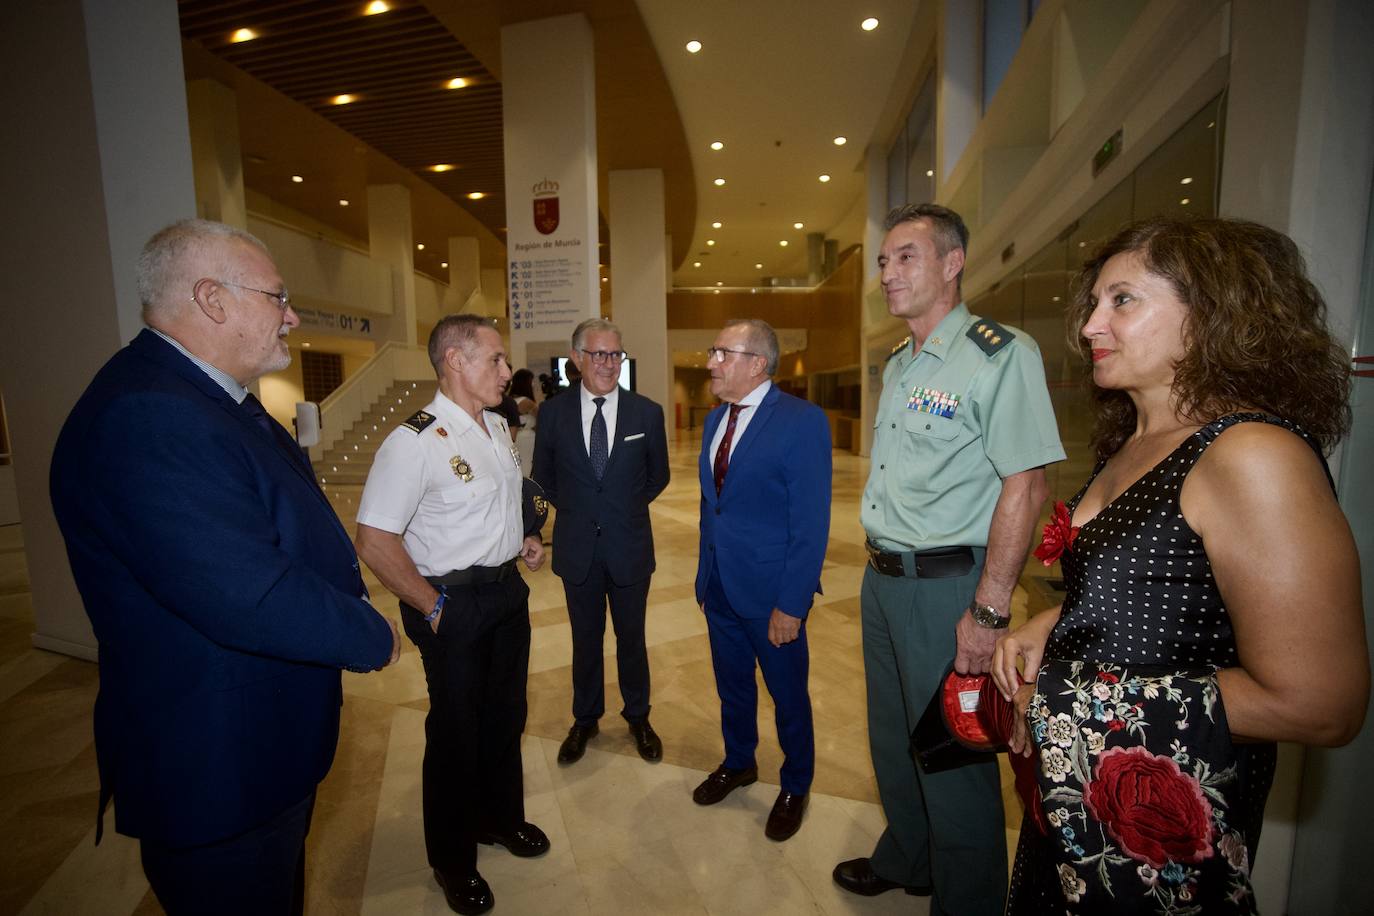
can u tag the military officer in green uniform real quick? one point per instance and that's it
(964, 430)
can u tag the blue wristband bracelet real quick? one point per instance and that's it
(438, 605)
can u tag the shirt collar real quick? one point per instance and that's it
(219, 377)
(612, 397)
(942, 338)
(755, 397)
(446, 410)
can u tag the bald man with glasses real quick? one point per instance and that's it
(601, 455)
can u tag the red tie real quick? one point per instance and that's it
(723, 453)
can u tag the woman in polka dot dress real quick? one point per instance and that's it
(1213, 593)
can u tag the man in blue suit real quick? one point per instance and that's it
(765, 521)
(601, 455)
(223, 591)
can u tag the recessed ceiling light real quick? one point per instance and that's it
(824, 179)
(420, 246)
(343, 99)
(720, 182)
(693, 46)
(375, 7)
(442, 167)
(841, 141)
(696, 263)
(710, 241)
(342, 202)
(716, 224)
(443, 264)
(716, 291)
(758, 267)
(717, 145)
(798, 225)
(719, 283)
(1185, 181)
(476, 195)
(605, 279)
(457, 82)
(783, 243)
(1186, 201)
(305, 344)
(930, 173)
(242, 35)
(1211, 124)
(869, 24)
(1082, 244)
(297, 179)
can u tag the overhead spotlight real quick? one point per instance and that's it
(242, 35)
(375, 7)
(710, 241)
(305, 345)
(841, 141)
(476, 195)
(758, 266)
(1185, 181)
(1054, 298)
(696, 263)
(798, 225)
(869, 24)
(457, 82)
(719, 283)
(783, 243)
(717, 145)
(693, 46)
(720, 182)
(442, 167)
(930, 173)
(296, 179)
(716, 224)
(605, 279)
(716, 291)
(420, 246)
(342, 202)
(444, 265)
(343, 99)
(1186, 201)
(824, 179)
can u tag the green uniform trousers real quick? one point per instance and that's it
(943, 829)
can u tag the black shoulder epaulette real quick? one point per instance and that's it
(419, 420)
(989, 335)
(901, 345)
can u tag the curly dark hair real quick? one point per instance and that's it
(1255, 334)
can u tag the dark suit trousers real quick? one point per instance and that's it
(476, 667)
(736, 642)
(587, 602)
(259, 871)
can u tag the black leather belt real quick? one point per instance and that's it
(476, 575)
(941, 563)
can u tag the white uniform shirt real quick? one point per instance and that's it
(451, 491)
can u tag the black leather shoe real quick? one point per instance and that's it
(573, 746)
(525, 841)
(722, 782)
(786, 817)
(468, 895)
(857, 877)
(647, 742)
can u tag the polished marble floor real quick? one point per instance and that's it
(626, 835)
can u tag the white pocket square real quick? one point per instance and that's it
(635, 436)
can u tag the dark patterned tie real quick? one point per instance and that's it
(597, 446)
(723, 453)
(253, 407)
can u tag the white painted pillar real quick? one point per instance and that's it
(391, 240)
(216, 155)
(548, 91)
(638, 267)
(957, 106)
(464, 276)
(97, 159)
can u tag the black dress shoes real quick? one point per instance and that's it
(646, 740)
(857, 877)
(573, 746)
(786, 817)
(469, 895)
(722, 782)
(525, 841)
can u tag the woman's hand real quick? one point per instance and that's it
(1020, 742)
(1025, 644)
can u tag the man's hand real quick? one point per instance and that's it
(783, 628)
(532, 552)
(974, 646)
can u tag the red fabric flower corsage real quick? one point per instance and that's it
(1059, 535)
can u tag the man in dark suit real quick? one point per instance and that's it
(765, 521)
(224, 592)
(601, 455)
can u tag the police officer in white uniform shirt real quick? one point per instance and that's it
(440, 525)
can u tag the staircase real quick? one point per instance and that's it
(348, 460)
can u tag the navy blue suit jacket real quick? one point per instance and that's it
(612, 512)
(766, 532)
(223, 590)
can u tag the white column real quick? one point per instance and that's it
(215, 152)
(391, 241)
(638, 267)
(464, 277)
(96, 160)
(957, 106)
(548, 90)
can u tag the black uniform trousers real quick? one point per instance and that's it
(587, 602)
(476, 666)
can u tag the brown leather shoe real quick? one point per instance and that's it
(722, 782)
(647, 742)
(858, 877)
(573, 746)
(786, 817)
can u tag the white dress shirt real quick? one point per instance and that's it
(608, 410)
(750, 400)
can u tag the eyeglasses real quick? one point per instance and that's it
(720, 353)
(282, 298)
(602, 357)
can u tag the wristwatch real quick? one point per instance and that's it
(985, 615)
